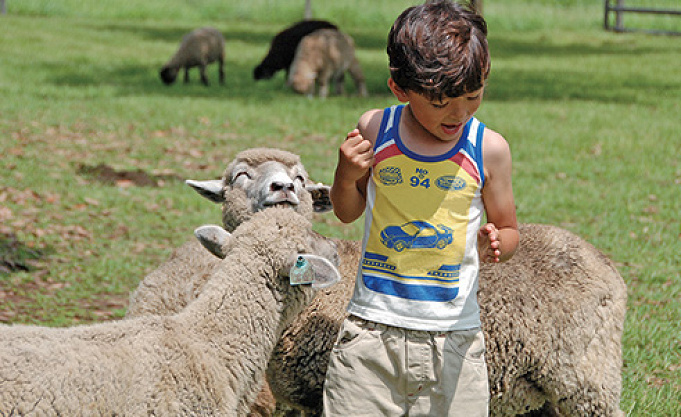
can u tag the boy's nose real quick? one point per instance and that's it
(458, 115)
(458, 109)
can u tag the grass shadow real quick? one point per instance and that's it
(256, 34)
(562, 71)
(579, 71)
(133, 78)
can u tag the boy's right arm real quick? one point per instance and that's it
(355, 158)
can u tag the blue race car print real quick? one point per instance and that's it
(416, 234)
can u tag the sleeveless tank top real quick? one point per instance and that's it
(419, 267)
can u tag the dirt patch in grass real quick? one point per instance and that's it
(15, 256)
(105, 174)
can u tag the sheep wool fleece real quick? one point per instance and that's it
(207, 360)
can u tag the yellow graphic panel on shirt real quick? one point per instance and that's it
(418, 237)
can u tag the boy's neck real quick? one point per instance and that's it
(418, 139)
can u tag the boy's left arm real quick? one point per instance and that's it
(498, 238)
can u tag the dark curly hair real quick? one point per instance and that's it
(439, 49)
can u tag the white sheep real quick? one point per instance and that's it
(198, 48)
(257, 178)
(552, 316)
(207, 360)
(322, 58)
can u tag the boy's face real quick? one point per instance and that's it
(443, 119)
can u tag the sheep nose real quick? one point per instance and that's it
(280, 186)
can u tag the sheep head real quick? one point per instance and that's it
(274, 232)
(264, 72)
(263, 177)
(168, 74)
(218, 242)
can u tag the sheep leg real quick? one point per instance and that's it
(324, 89)
(339, 81)
(358, 76)
(324, 79)
(221, 70)
(546, 411)
(204, 79)
(186, 75)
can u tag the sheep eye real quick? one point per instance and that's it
(241, 174)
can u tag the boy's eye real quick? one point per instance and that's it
(439, 105)
(473, 98)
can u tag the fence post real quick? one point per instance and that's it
(308, 9)
(3, 9)
(619, 16)
(606, 14)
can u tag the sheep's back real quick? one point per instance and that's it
(327, 48)
(61, 371)
(555, 284)
(176, 282)
(202, 46)
(553, 275)
(284, 44)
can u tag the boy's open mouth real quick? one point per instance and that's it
(451, 129)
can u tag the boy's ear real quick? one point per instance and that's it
(399, 93)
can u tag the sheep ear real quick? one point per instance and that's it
(321, 202)
(211, 189)
(214, 238)
(315, 270)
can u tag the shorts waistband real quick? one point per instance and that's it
(372, 325)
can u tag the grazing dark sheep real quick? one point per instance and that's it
(199, 48)
(283, 47)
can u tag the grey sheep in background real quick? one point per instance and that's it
(283, 47)
(322, 58)
(553, 318)
(207, 360)
(199, 48)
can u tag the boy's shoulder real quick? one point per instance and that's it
(496, 151)
(493, 141)
(370, 123)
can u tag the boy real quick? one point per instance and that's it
(425, 172)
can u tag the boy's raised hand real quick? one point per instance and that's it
(489, 243)
(356, 156)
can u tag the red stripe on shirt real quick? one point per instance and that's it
(464, 162)
(386, 153)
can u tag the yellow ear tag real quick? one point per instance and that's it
(301, 272)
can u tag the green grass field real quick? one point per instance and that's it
(593, 119)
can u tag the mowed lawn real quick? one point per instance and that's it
(95, 149)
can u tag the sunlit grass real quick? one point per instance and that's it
(592, 118)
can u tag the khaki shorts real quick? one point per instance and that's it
(378, 370)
